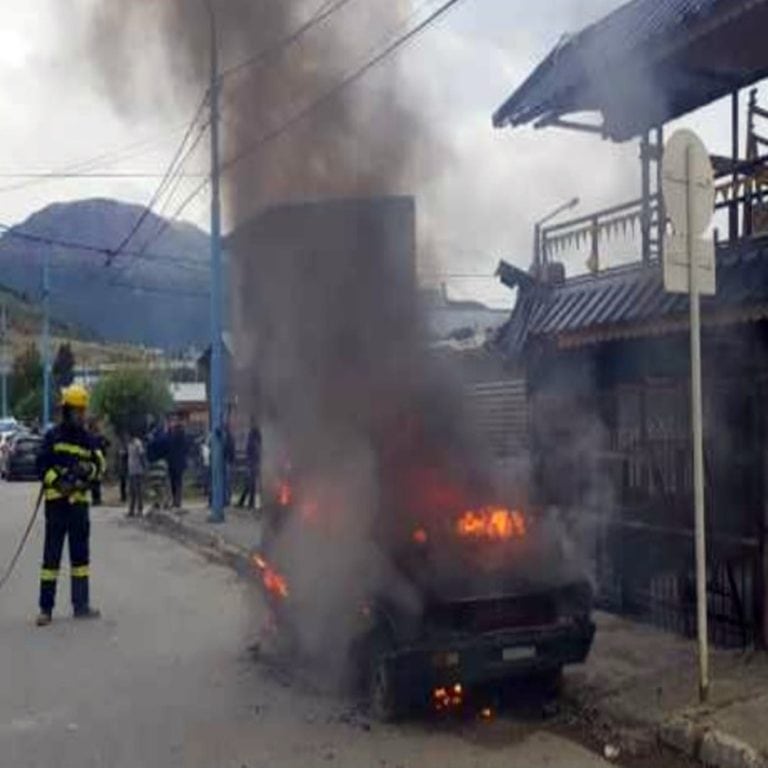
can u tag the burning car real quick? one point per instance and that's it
(485, 594)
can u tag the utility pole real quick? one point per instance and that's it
(5, 360)
(216, 413)
(690, 267)
(46, 339)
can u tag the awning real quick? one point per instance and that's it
(646, 63)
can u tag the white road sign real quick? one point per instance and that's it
(688, 186)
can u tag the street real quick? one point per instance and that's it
(166, 678)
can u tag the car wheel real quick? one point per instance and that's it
(383, 696)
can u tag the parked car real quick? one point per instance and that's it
(21, 462)
(8, 429)
(9, 426)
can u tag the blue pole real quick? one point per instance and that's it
(46, 339)
(217, 383)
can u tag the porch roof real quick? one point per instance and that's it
(631, 301)
(646, 63)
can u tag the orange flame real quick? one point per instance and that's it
(284, 494)
(448, 697)
(272, 580)
(497, 523)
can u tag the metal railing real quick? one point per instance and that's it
(744, 187)
(595, 228)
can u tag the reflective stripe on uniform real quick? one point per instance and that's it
(76, 497)
(73, 450)
(81, 571)
(49, 574)
(50, 477)
(101, 463)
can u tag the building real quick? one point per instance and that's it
(190, 401)
(606, 353)
(459, 323)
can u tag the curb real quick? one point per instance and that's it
(706, 745)
(709, 746)
(212, 544)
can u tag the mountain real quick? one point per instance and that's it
(158, 298)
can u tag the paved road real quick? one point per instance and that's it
(166, 678)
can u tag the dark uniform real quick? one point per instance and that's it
(69, 463)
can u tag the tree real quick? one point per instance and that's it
(26, 377)
(129, 398)
(64, 366)
(29, 408)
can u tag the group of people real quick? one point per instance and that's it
(159, 465)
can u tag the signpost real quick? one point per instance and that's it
(689, 267)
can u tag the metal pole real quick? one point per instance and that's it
(733, 211)
(645, 218)
(5, 360)
(661, 213)
(217, 404)
(698, 447)
(46, 339)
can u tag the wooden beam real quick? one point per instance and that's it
(556, 122)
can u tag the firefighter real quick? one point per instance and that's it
(69, 463)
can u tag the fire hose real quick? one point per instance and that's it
(25, 537)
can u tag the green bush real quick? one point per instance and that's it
(130, 398)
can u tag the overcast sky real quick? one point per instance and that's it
(479, 207)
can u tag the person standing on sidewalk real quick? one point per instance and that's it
(137, 467)
(102, 445)
(122, 467)
(177, 460)
(230, 456)
(252, 485)
(69, 463)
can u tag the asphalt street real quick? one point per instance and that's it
(166, 677)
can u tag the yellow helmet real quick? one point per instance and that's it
(74, 396)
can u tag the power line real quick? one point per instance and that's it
(326, 11)
(105, 159)
(329, 96)
(45, 175)
(174, 181)
(345, 83)
(14, 232)
(172, 168)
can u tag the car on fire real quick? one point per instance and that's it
(493, 597)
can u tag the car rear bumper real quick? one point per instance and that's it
(493, 656)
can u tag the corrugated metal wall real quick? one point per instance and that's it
(500, 409)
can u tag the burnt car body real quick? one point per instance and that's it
(490, 612)
(477, 612)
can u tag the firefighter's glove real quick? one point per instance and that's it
(85, 471)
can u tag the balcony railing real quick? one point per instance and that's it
(742, 190)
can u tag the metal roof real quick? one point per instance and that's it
(647, 62)
(631, 301)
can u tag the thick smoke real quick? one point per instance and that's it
(326, 316)
(363, 142)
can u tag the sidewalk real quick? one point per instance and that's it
(232, 541)
(642, 684)
(638, 685)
